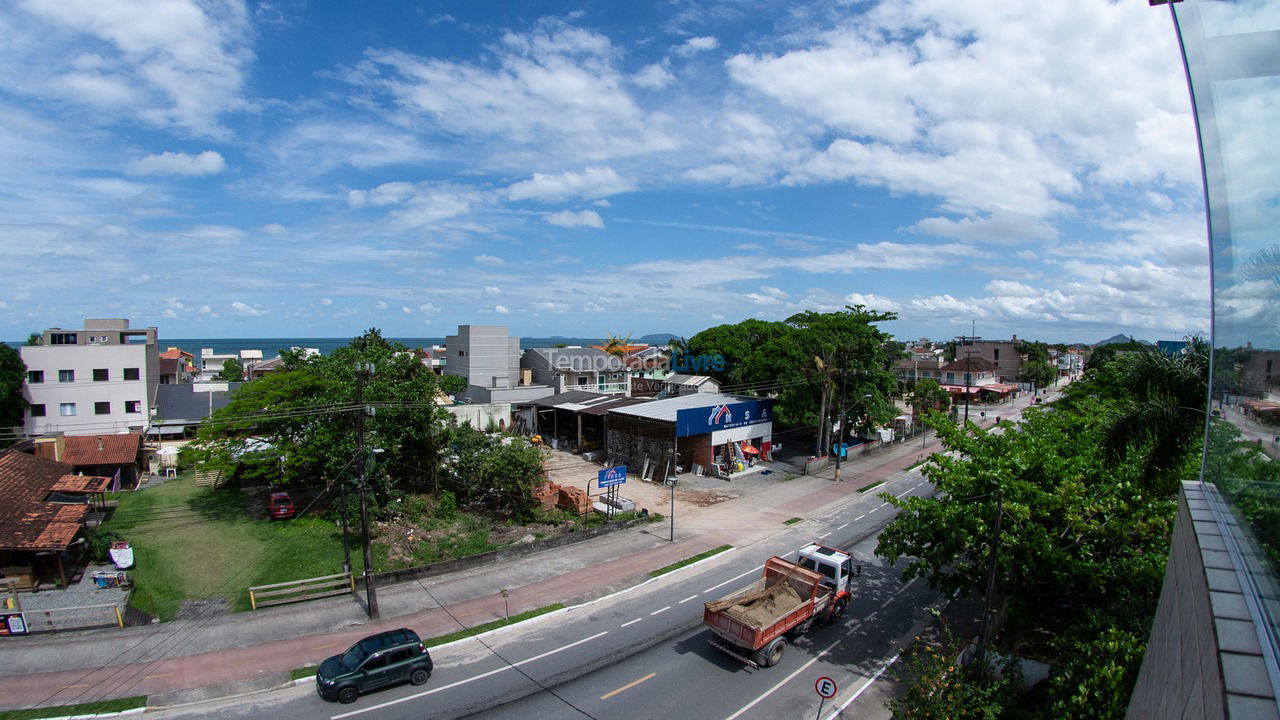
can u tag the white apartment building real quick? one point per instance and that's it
(101, 379)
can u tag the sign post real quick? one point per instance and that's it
(608, 480)
(826, 688)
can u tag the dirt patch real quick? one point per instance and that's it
(703, 498)
(203, 608)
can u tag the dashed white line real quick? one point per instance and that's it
(630, 622)
(843, 526)
(835, 713)
(859, 517)
(687, 599)
(823, 537)
(752, 571)
(663, 609)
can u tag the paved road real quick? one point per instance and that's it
(651, 639)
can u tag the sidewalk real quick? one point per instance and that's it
(223, 654)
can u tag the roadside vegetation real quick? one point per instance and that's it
(93, 709)
(1087, 492)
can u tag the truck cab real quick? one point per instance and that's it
(836, 566)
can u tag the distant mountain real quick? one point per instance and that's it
(1117, 339)
(656, 339)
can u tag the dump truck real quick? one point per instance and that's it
(753, 623)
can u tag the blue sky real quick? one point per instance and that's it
(288, 168)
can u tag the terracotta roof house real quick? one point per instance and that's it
(42, 511)
(105, 455)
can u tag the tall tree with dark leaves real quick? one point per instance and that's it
(13, 373)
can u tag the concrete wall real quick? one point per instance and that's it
(484, 354)
(479, 416)
(1203, 658)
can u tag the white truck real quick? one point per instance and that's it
(755, 621)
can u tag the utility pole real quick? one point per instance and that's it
(981, 655)
(840, 449)
(342, 512)
(371, 595)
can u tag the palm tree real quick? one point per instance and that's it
(1160, 413)
(615, 345)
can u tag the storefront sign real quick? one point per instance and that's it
(609, 477)
(699, 421)
(12, 624)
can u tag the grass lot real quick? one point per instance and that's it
(191, 543)
(81, 710)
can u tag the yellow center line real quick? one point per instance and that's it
(324, 647)
(156, 675)
(628, 686)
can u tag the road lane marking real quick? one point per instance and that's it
(630, 622)
(863, 687)
(687, 599)
(324, 647)
(824, 537)
(655, 612)
(628, 686)
(904, 492)
(752, 571)
(843, 526)
(157, 675)
(464, 681)
(859, 517)
(79, 685)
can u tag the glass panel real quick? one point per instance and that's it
(1232, 52)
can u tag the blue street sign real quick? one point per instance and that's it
(609, 477)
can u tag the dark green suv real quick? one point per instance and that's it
(376, 661)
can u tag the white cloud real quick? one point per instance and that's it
(872, 301)
(501, 309)
(571, 219)
(653, 77)
(246, 310)
(492, 290)
(428, 309)
(326, 301)
(489, 260)
(695, 45)
(381, 305)
(555, 307)
(170, 63)
(274, 229)
(208, 162)
(593, 182)
(1011, 287)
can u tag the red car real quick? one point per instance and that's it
(280, 506)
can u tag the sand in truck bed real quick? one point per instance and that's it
(767, 607)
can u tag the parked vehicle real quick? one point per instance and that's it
(280, 506)
(752, 623)
(388, 658)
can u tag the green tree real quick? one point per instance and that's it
(1158, 412)
(928, 395)
(495, 472)
(302, 419)
(232, 371)
(13, 374)
(35, 339)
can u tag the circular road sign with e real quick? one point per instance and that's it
(826, 687)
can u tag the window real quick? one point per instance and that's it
(131, 373)
(102, 408)
(35, 376)
(67, 409)
(100, 375)
(376, 662)
(996, 352)
(62, 338)
(66, 376)
(400, 655)
(37, 411)
(133, 406)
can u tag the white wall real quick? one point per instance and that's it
(84, 391)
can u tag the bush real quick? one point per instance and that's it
(98, 543)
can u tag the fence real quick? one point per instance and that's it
(73, 618)
(299, 590)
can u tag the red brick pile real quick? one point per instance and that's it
(575, 500)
